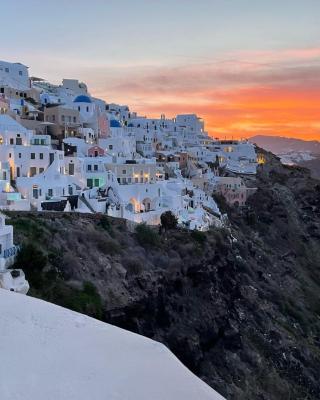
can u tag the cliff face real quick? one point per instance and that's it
(240, 308)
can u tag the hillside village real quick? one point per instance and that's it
(63, 149)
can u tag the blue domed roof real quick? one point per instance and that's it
(82, 99)
(115, 124)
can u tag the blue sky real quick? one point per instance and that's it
(147, 31)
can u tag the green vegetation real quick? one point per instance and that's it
(105, 224)
(199, 237)
(30, 258)
(108, 246)
(32, 229)
(85, 300)
(168, 220)
(146, 236)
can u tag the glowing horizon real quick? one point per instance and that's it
(278, 96)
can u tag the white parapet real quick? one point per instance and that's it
(14, 280)
(10, 279)
(48, 352)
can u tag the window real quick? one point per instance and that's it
(19, 155)
(62, 118)
(89, 183)
(41, 170)
(33, 156)
(124, 171)
(110, 147)
(87, 109)
(9, 155)
(50, 192)
(41, 156)
(20, 73)
(7, 70)
(78, 108)
(11, 141)
(95, 167)
(89, 167)
(74, 119)
(33, 171)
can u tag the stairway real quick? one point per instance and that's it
(87, 204)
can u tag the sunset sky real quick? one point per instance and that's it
(246, 66)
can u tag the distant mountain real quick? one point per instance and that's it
(292, 151)
(281, 145)
(313, 165)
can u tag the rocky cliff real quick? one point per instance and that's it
(240, 306)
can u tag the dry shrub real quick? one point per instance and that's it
(108, 245)
(133, 265)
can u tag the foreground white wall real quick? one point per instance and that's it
(48, 352)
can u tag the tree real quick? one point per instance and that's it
(146, 236)
(30, 258)
(168, 220)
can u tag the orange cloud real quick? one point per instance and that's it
(274, 93)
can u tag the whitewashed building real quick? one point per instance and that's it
(61, 148)
(14, 75)
(10, 279)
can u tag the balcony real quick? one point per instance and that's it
(10, 252)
